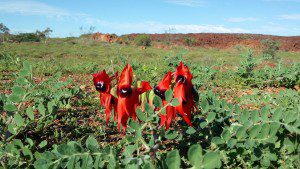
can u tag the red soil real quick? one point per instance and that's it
(223, 41)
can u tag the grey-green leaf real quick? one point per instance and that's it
(195, 155)
(173, 159)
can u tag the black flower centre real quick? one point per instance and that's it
(159, 93)
(125, 92)
(181, 79)
(101, 87)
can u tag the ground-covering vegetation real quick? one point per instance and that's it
(247, 111)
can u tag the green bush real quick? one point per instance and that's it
(270, 48)
(189, 41)
(27, 37)
(142, 40)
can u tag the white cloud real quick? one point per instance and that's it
(242, 19)
(290, 17)
(31, 7)
(28, 7)
(189, 3)
(277, 29)
(157, 27)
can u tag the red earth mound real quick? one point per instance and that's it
(223, 41)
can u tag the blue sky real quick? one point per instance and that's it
(275, 17)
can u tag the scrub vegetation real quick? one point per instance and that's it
(174, 106)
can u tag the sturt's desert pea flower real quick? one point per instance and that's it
(160, 90)
(128, 96)
(184, 92)
(102, 82)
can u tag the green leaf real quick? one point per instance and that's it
(211, 160)
(190, 130)
(21, 81)
(18, 119)
(157, 101)
(292, 129)
(290, 117)
(175, 102)
(148, 109)
(30, 113)
(241, 132)
(217, 140)
(10, 107)
(14, 98)
(171, 135)
(71, 162)
(128, 152)
(210, 117)
(253, 132)
(226, 135)
(11, 129)
(195, 155)
(92, 144)
(163, 111)
(64, 149)
(264, 132)
(265, 113)
(18, 143)
(274, 127)
(265, 162)
(255, 116)
(30, 141)
(26, 66)
(41, 109)
(50, 106)
(24, 73)
(141, 115)
(277, 114)
(27, 152)
(42, 163)
(203, 124)
(148, 165)
(133, 124)
(18, 90)
(173, 159)
(169, 95)
(288, 145)
(231, 143)
(43, 144)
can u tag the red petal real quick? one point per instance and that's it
(108, 101)
(182, 70)
(101, 76)
(183, 93)
(165, 83)
(126, 77)
(145, 86)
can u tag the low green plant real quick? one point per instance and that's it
(189, 41)
(142, 40)
(270, 48)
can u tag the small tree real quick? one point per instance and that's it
(44, 34)
(270, 48)
(189, 41)
(142, 40)
(4, 31)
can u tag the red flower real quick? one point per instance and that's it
(160, 90)
(183, 91)
(128, 97)
(102, 83)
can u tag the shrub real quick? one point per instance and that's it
(270, 48)
(247, 66)
(27, 37)
(189, 41)
(142, 40)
